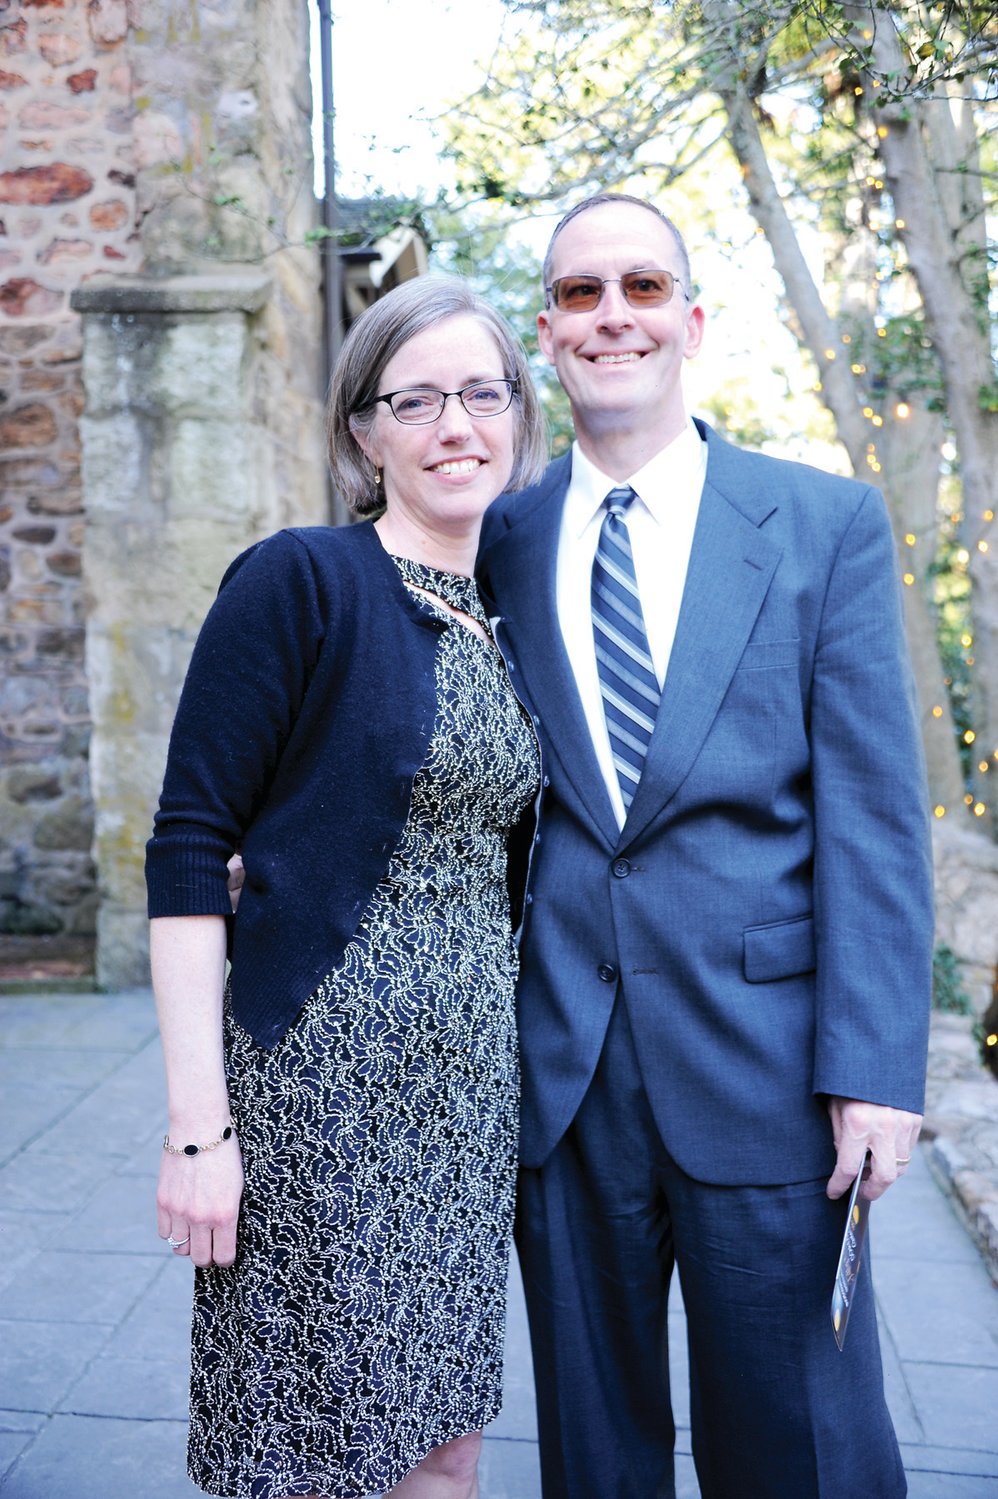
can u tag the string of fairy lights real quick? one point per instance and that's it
(962, 557)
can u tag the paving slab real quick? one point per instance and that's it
(95, 1333)
(74, 1457)
(65, 1286)
(41, 1363)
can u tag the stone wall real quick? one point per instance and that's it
(180, 466)
(157, 137)
(67, 210)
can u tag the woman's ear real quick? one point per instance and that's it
(365, 442)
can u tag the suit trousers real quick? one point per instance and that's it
(776, 1411)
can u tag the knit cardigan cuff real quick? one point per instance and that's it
(195, 884)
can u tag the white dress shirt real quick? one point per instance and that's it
(660, 522)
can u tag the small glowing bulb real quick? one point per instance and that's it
(909, 540)
(989, 515)
(878, 421)
(939, 811)
(963, 555)
(937, 712)
(882, 132)
(979, 809)
(829, 353)
(991, 1040)
(969, 737)
(966, 639)
(867, 412)
(984, 766)
(982, 546)
(900, 224)
(969, 800)
(902, 411)
(881, 332)
(909, 578)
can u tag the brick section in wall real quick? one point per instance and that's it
(67, 212)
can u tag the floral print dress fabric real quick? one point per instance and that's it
(363, 1322)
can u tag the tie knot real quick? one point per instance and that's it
(619, 500)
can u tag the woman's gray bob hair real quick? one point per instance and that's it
(375, 338)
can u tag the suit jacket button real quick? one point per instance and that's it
(621, 868)
(607, 972)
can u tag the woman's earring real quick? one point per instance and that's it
(377, 478)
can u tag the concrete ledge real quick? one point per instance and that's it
(961, 1131)
(243, 290)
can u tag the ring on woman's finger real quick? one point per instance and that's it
(178, 1243)
(901, 1160)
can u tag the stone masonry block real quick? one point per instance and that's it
(122, 947)
(199, 364)
(133, 677)
(215, 470)
(113, 462)
(133, 772)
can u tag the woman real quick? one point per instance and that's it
(347, 723)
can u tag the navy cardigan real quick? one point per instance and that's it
(306, 713)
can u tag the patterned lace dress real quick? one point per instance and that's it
(363, 1322)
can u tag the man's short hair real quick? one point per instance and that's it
(597, 200)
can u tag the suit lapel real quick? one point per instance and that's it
(731, 567)
(521, 569)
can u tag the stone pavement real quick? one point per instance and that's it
(93, 1310)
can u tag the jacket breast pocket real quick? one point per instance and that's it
(762, 655)
(779, 950)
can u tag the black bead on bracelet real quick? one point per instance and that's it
(197, 1149)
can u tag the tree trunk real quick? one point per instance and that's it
(822, 338)
(941, 225)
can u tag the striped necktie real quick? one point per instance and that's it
(626, 673)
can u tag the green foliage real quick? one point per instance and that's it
(948, 993)
(951, 998)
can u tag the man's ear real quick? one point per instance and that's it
(695, 321)
(544, 337)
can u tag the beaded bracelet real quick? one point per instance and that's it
(197, 1149)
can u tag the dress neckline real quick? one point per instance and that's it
(455, 589)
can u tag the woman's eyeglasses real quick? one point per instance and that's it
(413, 408)
(639, 289)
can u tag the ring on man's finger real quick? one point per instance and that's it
(178, 1243)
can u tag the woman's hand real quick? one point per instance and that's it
(197, 1203)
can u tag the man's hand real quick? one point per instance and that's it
(889, 1135)
(237, 875)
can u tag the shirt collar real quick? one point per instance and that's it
(675, 469)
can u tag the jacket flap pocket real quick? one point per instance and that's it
(759, 654)
(779, 950)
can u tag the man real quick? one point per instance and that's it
(727, 935)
